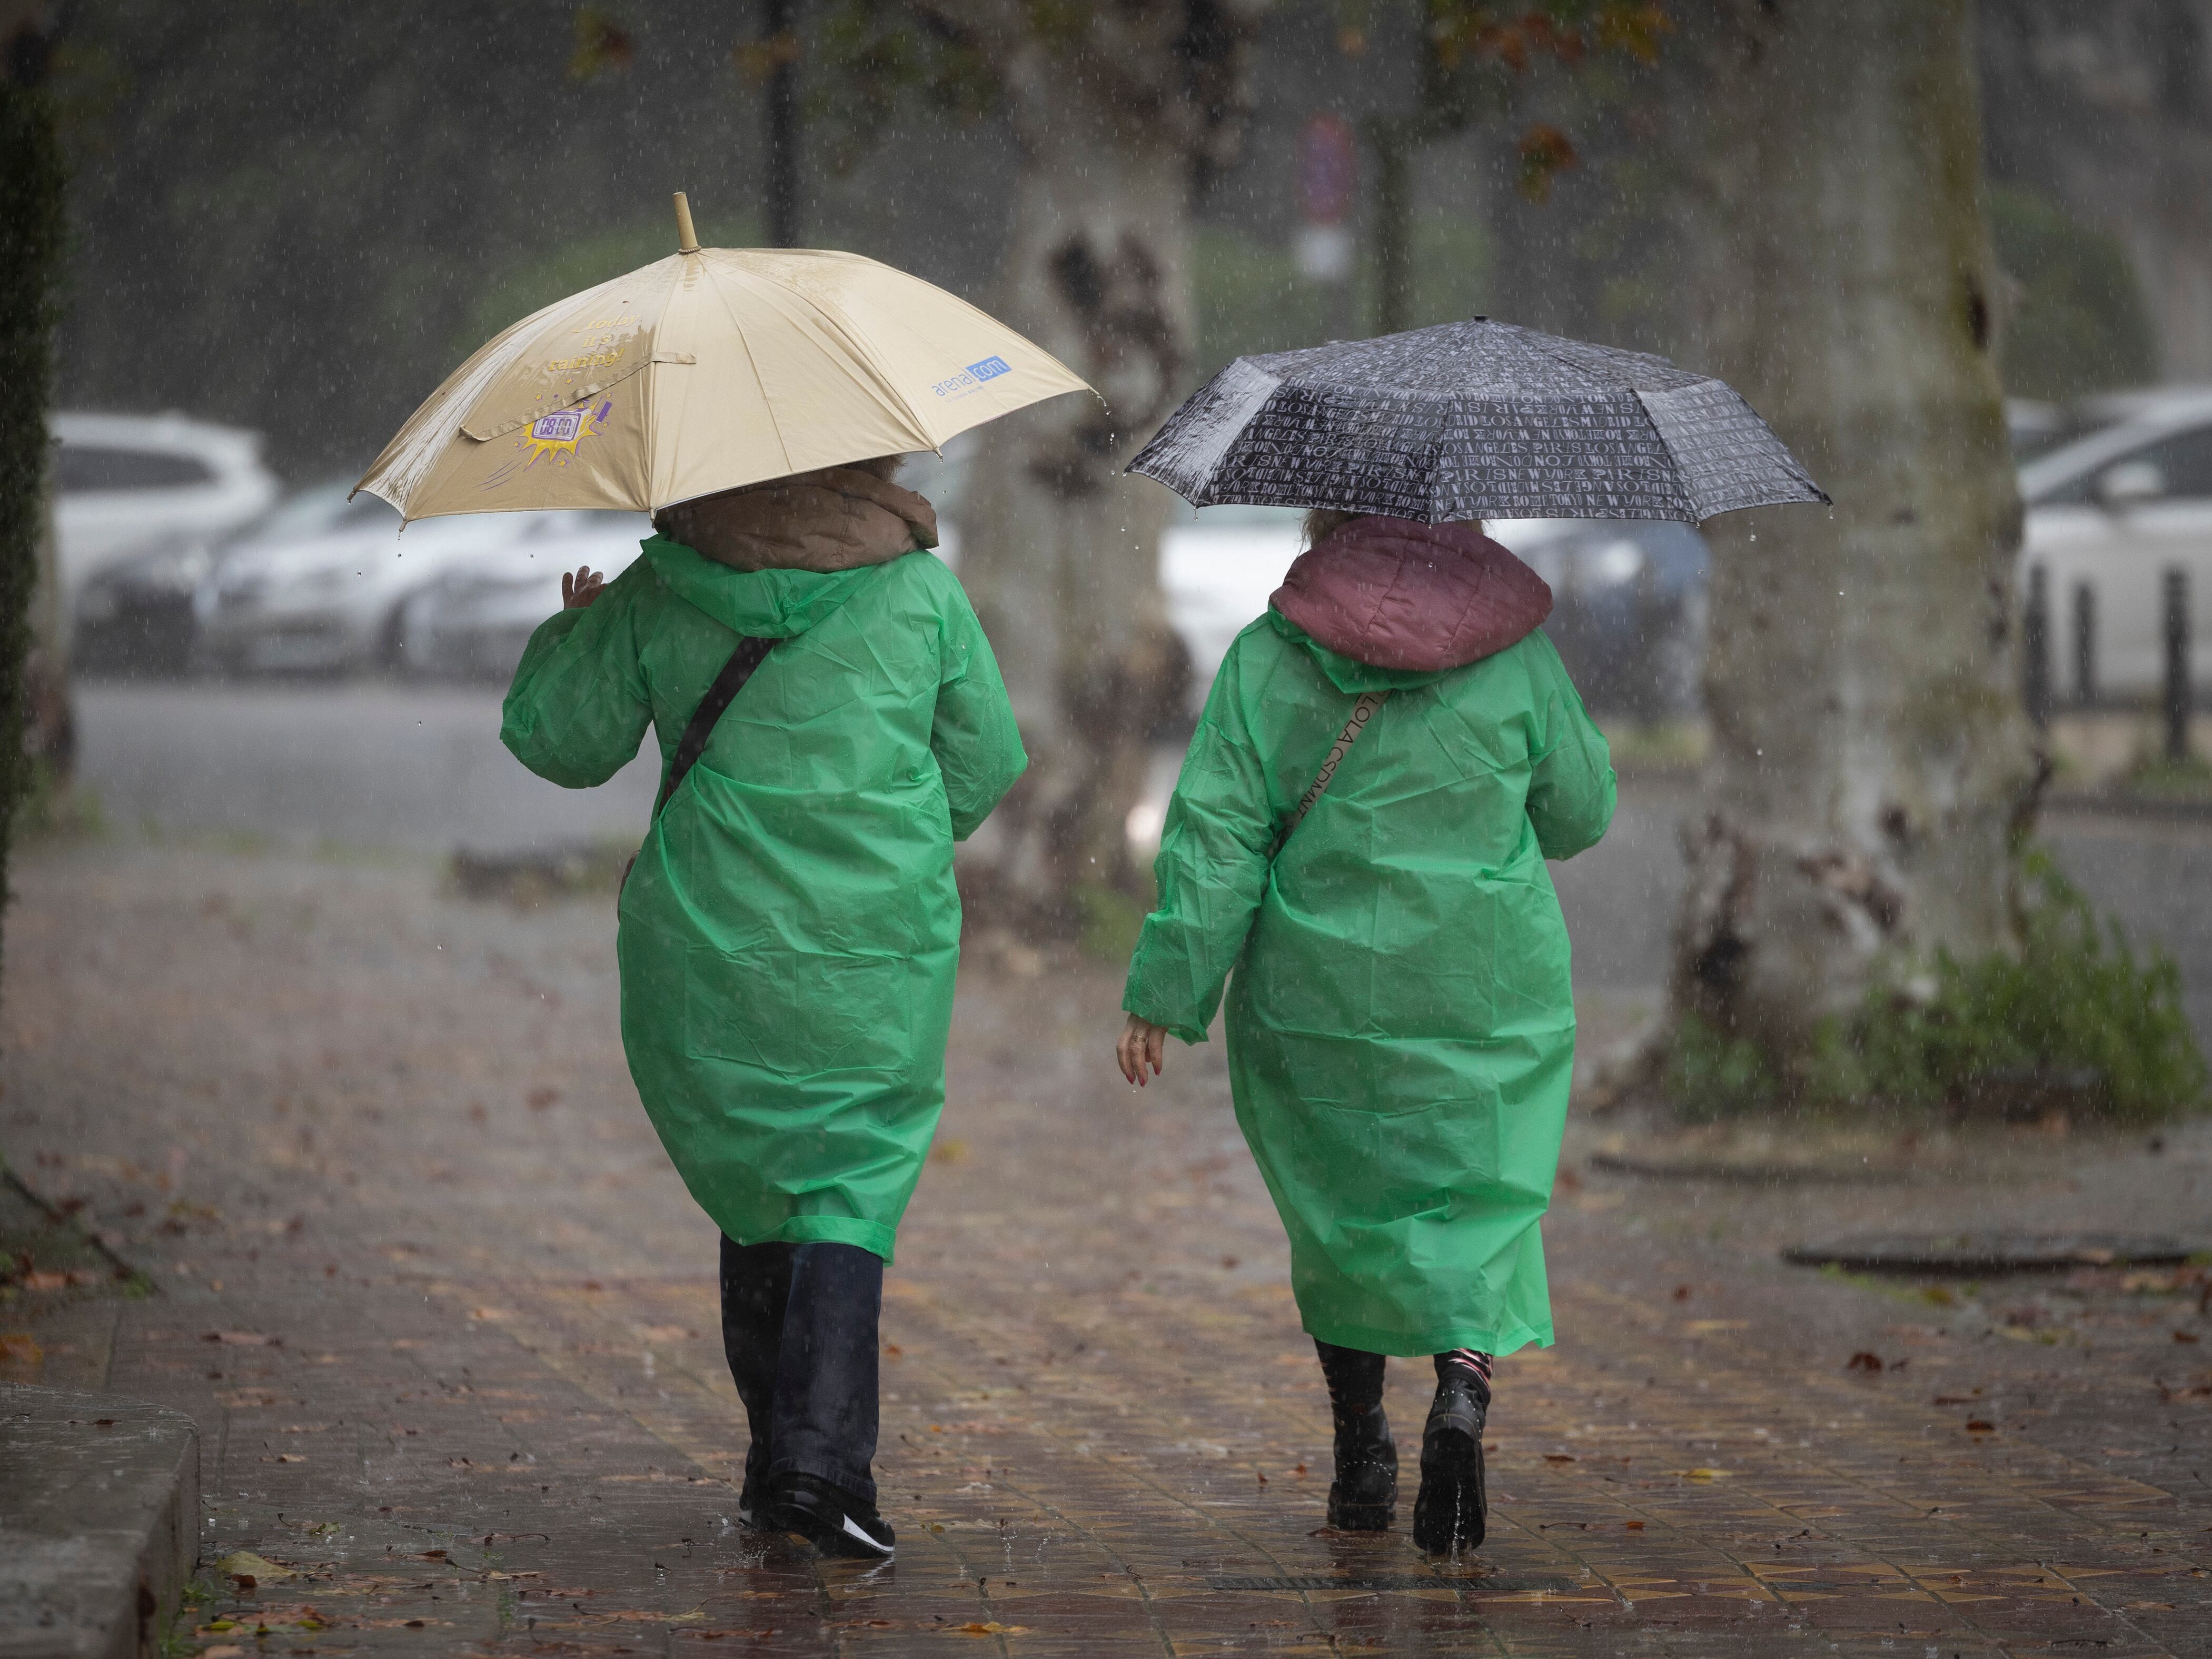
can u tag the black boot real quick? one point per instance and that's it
(831, 1519)
(1452, 1512)
(1364, 1496)
(752, 1496)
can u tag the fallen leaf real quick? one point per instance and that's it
(2187, 1336)
(1977, 1426)
(1701, 1474)
(1559, 1457)
(1863, 1361)
(491, 1315)
(1633, 1526)
(244, 1339)
(244, 1564)
(285, 1457)
(977, 1627)
(1702, 1327)
(21, 1348)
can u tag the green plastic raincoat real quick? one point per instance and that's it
(790, 932)
(1401, 1023)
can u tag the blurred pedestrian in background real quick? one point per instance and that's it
(790, 929)
(1386, 760)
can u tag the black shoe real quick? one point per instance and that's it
(832, 1520)
(752, 1496)
(1364, 1496)
(1452, 1513)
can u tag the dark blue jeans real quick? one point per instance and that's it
(799, 1327)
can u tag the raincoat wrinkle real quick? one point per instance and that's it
(1400, 1019)
(790, 931)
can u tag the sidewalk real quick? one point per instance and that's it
(446, 1322)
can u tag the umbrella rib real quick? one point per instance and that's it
(840, 329)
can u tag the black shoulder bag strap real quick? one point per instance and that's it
(752, 652)
(1363, 710)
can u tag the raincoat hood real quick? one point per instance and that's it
(774, 604)
(1409, 598)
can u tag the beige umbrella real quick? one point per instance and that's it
(713, 368)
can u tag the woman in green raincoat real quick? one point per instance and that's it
(1401, 1021)
(790, 929)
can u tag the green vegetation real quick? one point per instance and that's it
(549, 274)
(2080, 325)
(2075, 1022)
(1253, 298)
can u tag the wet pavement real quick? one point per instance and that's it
(448, 1322)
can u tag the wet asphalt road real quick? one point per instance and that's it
(377, 765)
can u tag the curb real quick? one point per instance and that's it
(99, 1522)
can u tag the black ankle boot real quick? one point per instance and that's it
(1364, 1496)
(830, 1518)
(1452, 1511)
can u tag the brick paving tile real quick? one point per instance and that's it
(448, 1323)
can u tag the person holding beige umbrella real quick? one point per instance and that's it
(831, 721)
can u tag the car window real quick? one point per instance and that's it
(2184, 460)
(84, 468)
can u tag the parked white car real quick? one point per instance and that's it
(331, 601)
(1628, 613)
(2107, 516)
(473, 622)
(125, 484)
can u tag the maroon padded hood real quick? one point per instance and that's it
(1398, 594)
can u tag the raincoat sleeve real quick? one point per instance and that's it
(978, 747)
(1211, 870)
(1570, 794)
(579, 707)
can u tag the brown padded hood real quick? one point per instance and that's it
(1398, 594)
(833, 518)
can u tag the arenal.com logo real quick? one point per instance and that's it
(960, 384)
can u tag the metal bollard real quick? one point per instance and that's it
(2180, 694)
(2085, 645)
(2035, 647)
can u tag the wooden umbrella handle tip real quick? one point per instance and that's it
(687, 238)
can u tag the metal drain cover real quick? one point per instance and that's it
(1988, 1252)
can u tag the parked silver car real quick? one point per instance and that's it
(473, 622)
(307, 598)
(2107, 516)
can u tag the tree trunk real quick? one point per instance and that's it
(31, 175)
(1871, 769)
(1060, 549)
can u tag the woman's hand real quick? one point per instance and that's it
(1142, 1045)
(580, 589)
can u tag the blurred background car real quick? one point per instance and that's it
(1628, 610)
(327, 598)
(129, 484)
(139, 615)
(472, 622)
(2108, 514)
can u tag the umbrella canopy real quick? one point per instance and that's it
(1476, 420)
(713, 368)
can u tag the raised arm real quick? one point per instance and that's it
(578, 707)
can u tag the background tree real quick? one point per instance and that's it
(1872, 777)
(1119, 112)
(31, 182)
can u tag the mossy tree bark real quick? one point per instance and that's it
(1871, 772)
(1118, 110)
(31, 227)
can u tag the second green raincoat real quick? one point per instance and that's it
(1401, 1021)
(790, 932)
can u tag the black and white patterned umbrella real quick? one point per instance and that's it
(1476, 420)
